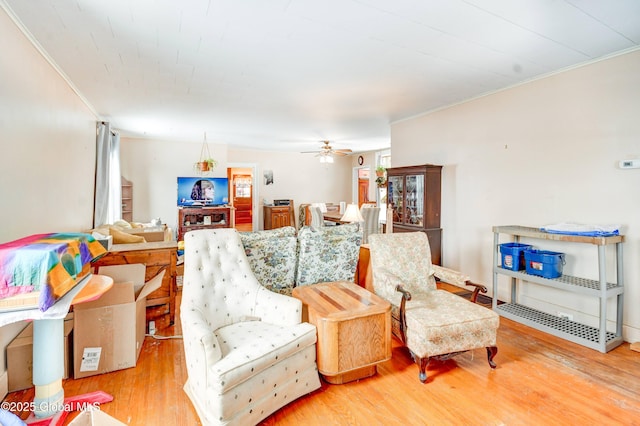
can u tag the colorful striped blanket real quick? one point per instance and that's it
(50, 264)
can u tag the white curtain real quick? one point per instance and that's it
(108, 201)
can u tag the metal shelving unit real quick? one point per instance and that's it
(593, 337)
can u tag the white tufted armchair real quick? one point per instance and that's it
(247, 353)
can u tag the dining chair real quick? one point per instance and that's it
(317, 218)
(371, 223)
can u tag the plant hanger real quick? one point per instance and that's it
(206, 164)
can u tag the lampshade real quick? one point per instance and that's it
(352, 214)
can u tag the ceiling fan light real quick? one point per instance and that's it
(326, 158)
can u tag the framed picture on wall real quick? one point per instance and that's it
(268, 177)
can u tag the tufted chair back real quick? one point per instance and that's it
(218, 280)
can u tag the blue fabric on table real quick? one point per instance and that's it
(582, 230)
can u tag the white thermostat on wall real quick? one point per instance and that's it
(629, 164)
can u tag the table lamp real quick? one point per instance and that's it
(352, 215)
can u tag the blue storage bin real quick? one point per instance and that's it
(544, 263)
(513, 255)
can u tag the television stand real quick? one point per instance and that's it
(194, 218)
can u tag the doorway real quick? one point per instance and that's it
(363, 186)
(242, 194)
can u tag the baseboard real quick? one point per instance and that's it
(631, 334)
(4, 385)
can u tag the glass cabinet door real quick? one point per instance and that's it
(395, 185)
(414, 209)
(413, 195)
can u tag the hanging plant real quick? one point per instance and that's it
(206, 163)
(380, 171)
(381, 181)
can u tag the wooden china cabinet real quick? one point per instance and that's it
(414, 192)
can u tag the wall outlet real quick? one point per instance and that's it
(565, 316)
(152, 327)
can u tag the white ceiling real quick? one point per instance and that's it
(285, 74)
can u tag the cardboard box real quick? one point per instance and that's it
(109, 332)
(95, 418)
(106, 241)
(20, 356)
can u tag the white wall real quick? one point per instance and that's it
(540, 153)
(369, 161)
(153, 166)
(48, 150)
(299, 177)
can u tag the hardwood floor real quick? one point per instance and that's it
(540, 380)
(244, 227)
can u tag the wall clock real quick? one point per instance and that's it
(360, 160)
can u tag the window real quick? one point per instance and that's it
(384, 160)
(243, 187)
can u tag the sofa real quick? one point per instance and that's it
(284, 258)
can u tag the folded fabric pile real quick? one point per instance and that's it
(583, 230)
(119, 232)
(46, 264)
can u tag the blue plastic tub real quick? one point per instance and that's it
(513, 255)
(544, 263)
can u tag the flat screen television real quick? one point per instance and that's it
(202, 191)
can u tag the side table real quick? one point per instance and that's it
(354, 329)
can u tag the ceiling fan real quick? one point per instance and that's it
(327, 153)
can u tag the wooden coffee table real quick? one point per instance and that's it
(354, 329)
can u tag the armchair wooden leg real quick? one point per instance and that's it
(491, 352)
(423, 362)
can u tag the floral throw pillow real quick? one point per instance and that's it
(272, 257)
(328, 254)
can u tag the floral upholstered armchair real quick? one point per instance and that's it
(431, 323)
(246, 350)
